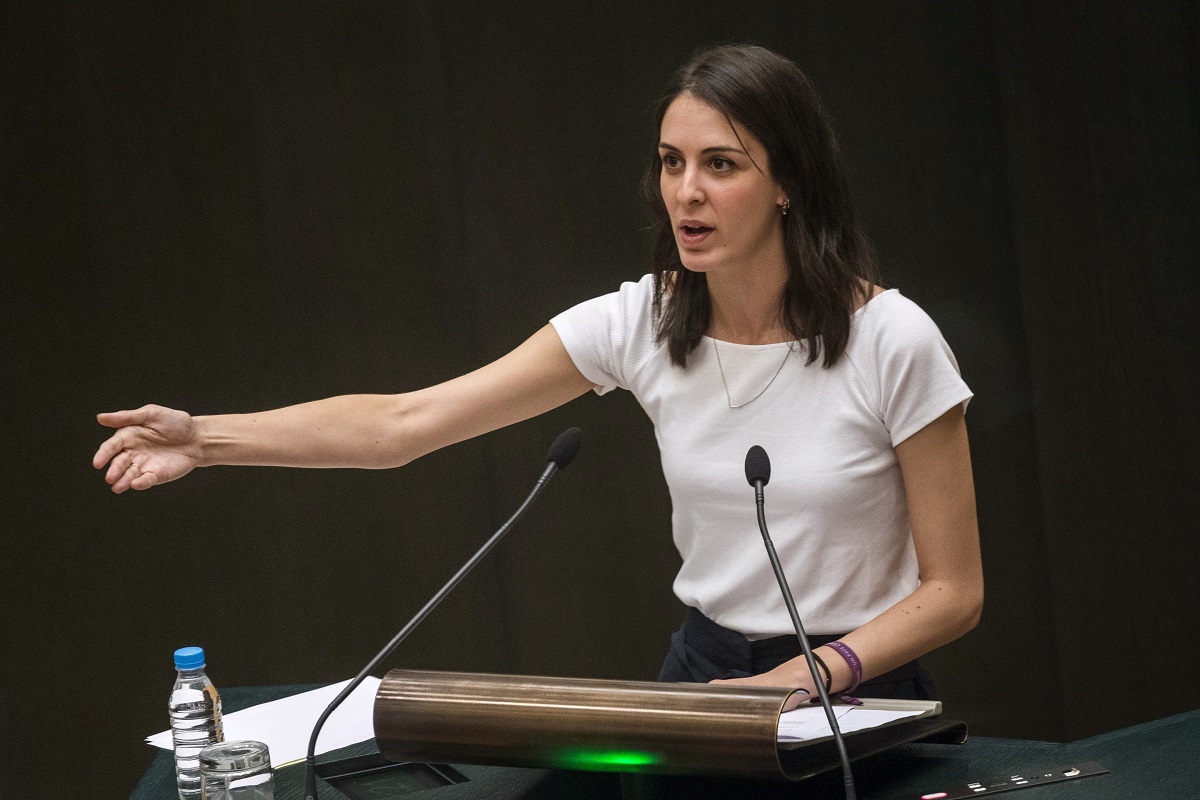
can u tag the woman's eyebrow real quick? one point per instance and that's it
(705, 151)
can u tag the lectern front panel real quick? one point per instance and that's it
(574, 723)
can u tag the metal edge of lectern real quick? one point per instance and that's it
(579, 723)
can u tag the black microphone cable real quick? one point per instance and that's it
(562, 452)
(758, 474)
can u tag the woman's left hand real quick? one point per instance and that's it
(784, 675)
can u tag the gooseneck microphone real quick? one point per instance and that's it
(758, 475)
(562, 452)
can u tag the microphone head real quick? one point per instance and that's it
(565, 447)
(758, 466)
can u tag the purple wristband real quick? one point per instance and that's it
(851, 659)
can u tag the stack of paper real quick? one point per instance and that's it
(286, 725)
(809, 722)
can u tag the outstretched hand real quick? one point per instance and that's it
(152, 445)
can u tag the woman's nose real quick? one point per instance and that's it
(689, 190)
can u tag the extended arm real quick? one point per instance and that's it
(154, 445)
(936, 465)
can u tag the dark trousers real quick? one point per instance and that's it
(701, 651)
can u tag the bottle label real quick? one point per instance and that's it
(186, 696)
(216, 705)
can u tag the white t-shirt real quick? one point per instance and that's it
(835, 504)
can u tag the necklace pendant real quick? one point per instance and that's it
(762, 391)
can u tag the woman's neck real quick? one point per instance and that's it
(747, 306)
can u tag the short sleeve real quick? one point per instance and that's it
(609, 338)
(917, 375)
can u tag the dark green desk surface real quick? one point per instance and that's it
(1155, 760)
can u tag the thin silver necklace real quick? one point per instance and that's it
(728, 397)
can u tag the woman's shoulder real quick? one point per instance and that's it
(868, 296)
(627, 296)
(620, 317)
(889, 308)
(889, 322)
(611, 337)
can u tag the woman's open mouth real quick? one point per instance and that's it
(694, 234)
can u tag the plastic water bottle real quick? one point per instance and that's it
(195, 718)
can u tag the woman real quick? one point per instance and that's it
(763, 323)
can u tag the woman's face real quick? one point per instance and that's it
(724, 209)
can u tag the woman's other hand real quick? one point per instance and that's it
(152, 445)
(785, 675)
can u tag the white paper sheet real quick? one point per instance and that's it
(285, 725)
(809, 722)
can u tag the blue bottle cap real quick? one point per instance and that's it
(189, 658)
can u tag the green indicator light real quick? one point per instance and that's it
(606, 760)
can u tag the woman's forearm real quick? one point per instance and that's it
(935, 614)
(362, 430)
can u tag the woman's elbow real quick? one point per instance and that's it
(391, 435)
(971, 606)
(962, 606)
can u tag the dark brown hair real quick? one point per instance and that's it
(830, 262)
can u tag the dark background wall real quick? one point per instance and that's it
(234, 207)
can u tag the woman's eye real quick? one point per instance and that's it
(670, 161)
(722, 164)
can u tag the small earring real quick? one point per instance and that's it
(784, 207)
